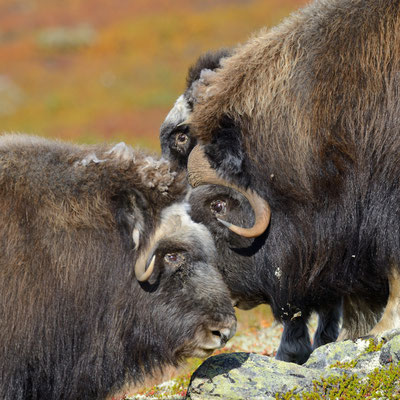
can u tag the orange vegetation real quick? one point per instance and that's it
(91, 70)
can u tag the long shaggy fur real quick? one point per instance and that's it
(74, 321)
(307, 114)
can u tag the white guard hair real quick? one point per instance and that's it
(179, 113)
(187, 227)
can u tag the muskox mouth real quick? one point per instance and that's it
(215, 336)
(209, 338)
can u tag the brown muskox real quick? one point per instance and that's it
(104, 278)
(235, 252)
(303, 119)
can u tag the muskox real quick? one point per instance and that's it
(104, 278)
(303, 119)
(176, 144)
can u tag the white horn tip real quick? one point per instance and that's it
(146, 274)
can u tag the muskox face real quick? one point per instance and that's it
(175, 137)
(176, 141)
(177, 270)
(241, 260)
(175, 274)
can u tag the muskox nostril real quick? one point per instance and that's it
(228, 333)
(223, 338)
(224, 334)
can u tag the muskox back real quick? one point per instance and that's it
(75, 322)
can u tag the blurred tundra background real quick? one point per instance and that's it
(109, 70)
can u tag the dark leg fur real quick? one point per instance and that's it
(295, 343)
(328, 326)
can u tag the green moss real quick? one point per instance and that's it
(344, 365)
(380, 383)
(288, 395)
(372, 347)
(384, 382)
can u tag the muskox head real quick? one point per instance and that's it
(240, 260)
(200, 173)
(251, 271)
(178, 268)
(104, 277)
(175, 137)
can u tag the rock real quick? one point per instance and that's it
(244, 376)
(390, 352)
(238, 376)
(335, 352)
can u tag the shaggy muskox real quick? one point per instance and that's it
(303, 119)
(176, 144)
(104, 278)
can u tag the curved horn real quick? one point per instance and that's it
(143, 274)
(201, 173)
(144, 268)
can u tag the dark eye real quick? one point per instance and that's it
(218, 207)
(174, 259)
(181, 139)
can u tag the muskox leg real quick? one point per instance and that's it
(295, 343)
(391, 316)
(328, 325)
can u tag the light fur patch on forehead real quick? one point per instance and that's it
(179, 113)
(175, 221)
(156, 173)
(176, 226)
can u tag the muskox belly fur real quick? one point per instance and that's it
(75, 323)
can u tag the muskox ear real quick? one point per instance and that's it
(225, 151)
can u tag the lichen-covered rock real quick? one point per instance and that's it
(335, 352)
(251, 376)
(238, 376)
(390, 352)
